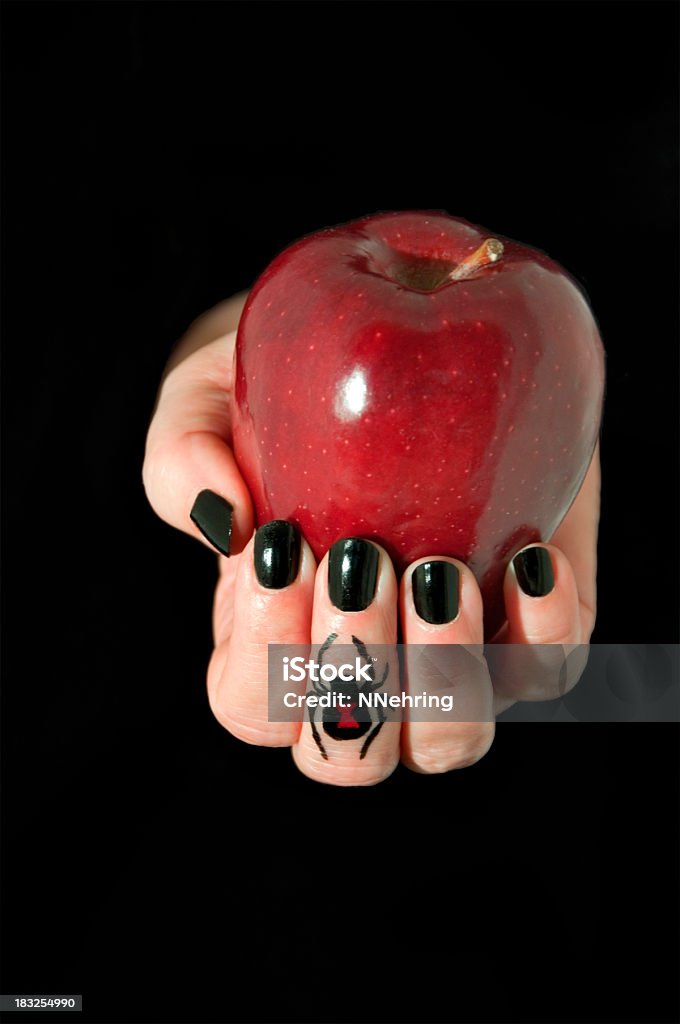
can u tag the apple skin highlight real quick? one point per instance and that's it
(390, 384)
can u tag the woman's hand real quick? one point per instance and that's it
(270, 590)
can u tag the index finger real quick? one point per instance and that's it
(190, 474)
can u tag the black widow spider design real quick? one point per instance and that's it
(352, 721)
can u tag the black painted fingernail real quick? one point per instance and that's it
(435, 591)
(213, 514)
(277, 554)
(534, 571)
(352, 574)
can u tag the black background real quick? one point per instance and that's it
(155, 158)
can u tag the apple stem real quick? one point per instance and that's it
(489, 251)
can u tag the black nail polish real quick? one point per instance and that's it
(435, 591)
(277, 554)
(534, 571)
(352, 574)
(212, 514)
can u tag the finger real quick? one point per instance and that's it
(272, 604)
(190, 474)
(576, 537)
(544, 626)
(441, 606)
(355, 605)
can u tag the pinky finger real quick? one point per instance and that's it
(543, 612)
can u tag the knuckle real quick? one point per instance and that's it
(464, 749)
(343, 772)
(236, 722)
(162, 476)
(542, 673)
(575, 663)
(588, 617)
(251, 727)
(249, 724)
(154, 468)
(557, 634)
(147, 473)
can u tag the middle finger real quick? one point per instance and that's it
(355, 605)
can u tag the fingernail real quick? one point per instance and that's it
(435, 591)
(352, 574)
(534, 571)
(277, 554)
(212, 514)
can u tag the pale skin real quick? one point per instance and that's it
(188, 450)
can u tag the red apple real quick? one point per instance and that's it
(411, 378)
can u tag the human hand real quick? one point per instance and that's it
(270, 589)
